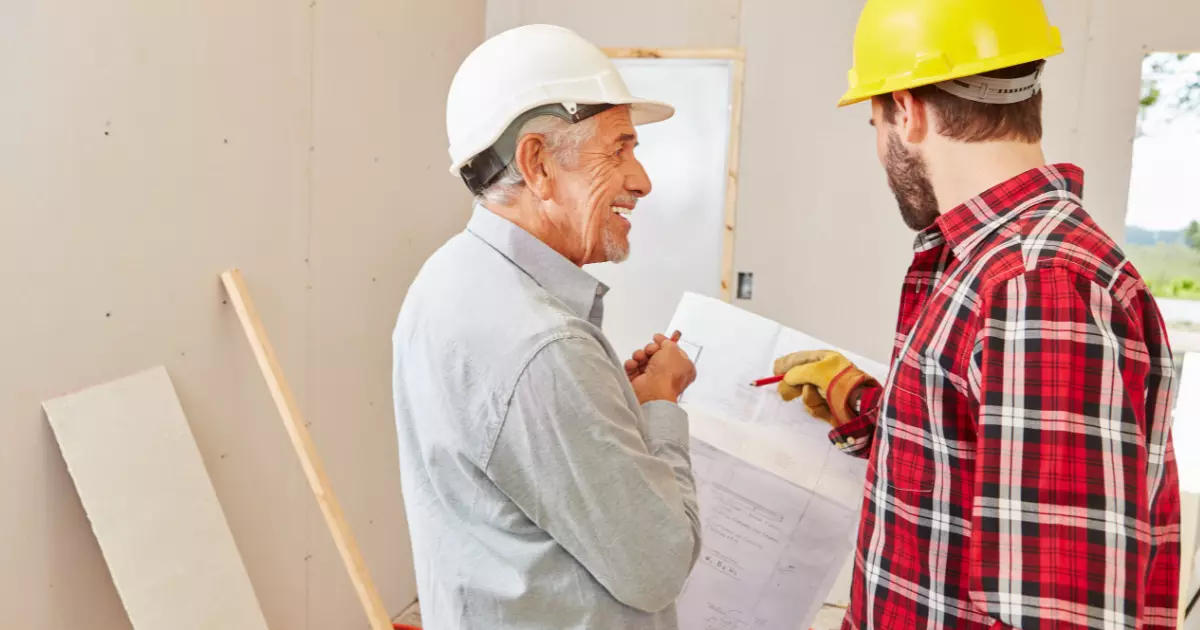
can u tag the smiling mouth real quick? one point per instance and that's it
(622, 211)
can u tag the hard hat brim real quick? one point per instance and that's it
(862, 93)
(641, 112)
(647, 112)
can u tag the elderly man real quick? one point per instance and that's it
(1022, 474)
(545, 485)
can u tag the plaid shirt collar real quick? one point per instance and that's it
(967, 225)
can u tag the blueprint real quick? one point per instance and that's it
(779, 504)
(771, 549)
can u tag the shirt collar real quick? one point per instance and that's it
(576, 288)
(966, 226)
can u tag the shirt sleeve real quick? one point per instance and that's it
(611, 482)
(856, 436)
(1061, 522)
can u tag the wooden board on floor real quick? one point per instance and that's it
(152, 506)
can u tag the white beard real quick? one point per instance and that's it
(615, 253)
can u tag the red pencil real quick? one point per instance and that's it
(767, 381)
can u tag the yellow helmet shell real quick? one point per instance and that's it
(903, 44)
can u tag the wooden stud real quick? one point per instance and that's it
(676, 53)
(314, 470)
(731, 184)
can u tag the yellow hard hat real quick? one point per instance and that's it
(903, 44)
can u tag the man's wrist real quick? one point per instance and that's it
(657, 393)
(665, 422)
(658, 397)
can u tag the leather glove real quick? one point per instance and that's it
(824, 380)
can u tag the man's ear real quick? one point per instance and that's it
(912, 117)
(532, 160)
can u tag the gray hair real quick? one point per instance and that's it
(563, 141)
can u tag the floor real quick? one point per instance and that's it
(829, 617)
(410, 617)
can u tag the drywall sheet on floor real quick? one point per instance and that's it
(152, 506)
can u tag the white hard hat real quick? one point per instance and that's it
(529, 70)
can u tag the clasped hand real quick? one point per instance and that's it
(660, 371)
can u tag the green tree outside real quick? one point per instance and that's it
(1191, 235)
(1168, 261)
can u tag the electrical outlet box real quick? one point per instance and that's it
(745, 285)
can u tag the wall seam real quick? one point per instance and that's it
(308, 283)
(1083, 79)
(740, 12)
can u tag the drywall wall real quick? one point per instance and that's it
(137, 471)
(666, 23)
(383, 202)
(149, 146)
(816, 222)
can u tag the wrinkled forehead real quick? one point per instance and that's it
(614, 126)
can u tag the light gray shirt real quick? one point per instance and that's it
(539, 493)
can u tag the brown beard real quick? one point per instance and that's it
(908, 178)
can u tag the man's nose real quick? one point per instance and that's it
(638, 181)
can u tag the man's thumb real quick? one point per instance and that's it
(800, 375)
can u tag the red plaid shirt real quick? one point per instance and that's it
(1021, 469)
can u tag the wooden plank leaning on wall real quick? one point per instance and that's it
(306, 451)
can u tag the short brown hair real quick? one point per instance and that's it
(969, 121)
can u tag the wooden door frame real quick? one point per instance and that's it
(737, 57)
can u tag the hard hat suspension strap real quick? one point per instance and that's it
(483, 169)
(993, 90)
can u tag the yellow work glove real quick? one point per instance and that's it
(824, 380)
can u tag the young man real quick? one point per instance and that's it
(1022, 473)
